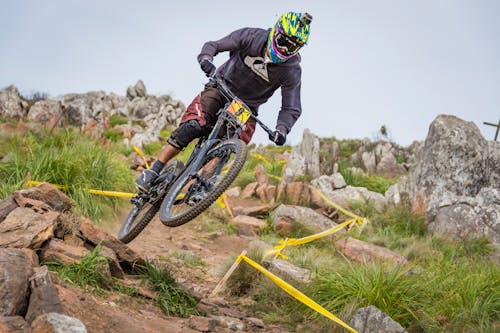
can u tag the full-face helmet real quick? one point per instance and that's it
(290, 33)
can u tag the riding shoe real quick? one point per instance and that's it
(144, 181)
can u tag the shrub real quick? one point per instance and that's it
(116, 119)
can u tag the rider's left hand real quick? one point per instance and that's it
(278, 136)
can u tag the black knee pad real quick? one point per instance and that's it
(185, 133)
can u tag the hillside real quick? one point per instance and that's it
(418, 251)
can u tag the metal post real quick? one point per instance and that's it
(494, 125)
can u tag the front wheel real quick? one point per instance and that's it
(144, 208)
(190, 195)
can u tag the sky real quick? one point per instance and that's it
(368, 63)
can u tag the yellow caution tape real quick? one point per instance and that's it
(295, 293)
(262, 158)
(141, 154)
(99, 192)
(358, 219)
(295, 242)
(273, 176)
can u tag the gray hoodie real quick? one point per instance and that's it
(253, 79)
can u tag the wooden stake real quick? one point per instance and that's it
(226, 277)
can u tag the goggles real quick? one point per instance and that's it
(286, 45)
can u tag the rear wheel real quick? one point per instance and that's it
(143, 211)
(189, 196)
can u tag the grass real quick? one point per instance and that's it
(116, 119)
(87, 274)
(173, 300)
(68, 158)
(448, 286)
(373, 183)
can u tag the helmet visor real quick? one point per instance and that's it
(286, 45)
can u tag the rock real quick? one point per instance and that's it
(232, 192)
(43, 298)
(248, 226)
(326, 183)
(257, 210)
(49, 194)
(297, 193)
(363, 252)
(371, 320)
(113, 262)
(456, 173)
(7, 206)
(15, 271)
(140, 89)
(261, 175)
(14, 324)
(126, 256)
(57, 323)
(304, 216)
(25, 228)
(233, 324)
(304, 159)
(369, 161)
(202, 324)
(255, 322)
(249, 190)
(343, 197)
(58, 251)
(45, 112)
(388, 166)
(298, 274)
(11, 105)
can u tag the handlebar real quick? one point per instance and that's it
(229, 95)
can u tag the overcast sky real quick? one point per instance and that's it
(368, 63)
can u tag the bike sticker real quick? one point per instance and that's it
(239, 111)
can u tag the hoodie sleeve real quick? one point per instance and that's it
(236, 40)
(290, 100)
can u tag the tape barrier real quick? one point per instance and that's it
(141, 154)
(99, 192)
(277, 250)
(294, 292)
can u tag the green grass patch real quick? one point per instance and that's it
(373, 183)
(68, 158)
(117, 120)
(113, 135)
(173, 300)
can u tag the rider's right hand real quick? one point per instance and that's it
(208, 67)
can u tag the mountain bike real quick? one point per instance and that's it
(182, 192)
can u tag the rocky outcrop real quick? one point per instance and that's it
(90, 112)
(370, 320)
(456, 179)
(380, 158)
(11, 104)
(304, 159)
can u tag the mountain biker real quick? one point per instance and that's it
(260, 61)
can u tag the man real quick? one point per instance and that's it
(260, 62)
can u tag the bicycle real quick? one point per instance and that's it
(181, 192)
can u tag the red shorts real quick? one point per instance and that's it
(204, 108)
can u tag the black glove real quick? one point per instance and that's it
(208, 67)
(278, 136)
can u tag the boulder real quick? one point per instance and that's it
(24, 228)
(58, 251)
(261, 175)
(49, 194)
(43, 297)
(343, 197)
(360, 251)
(247, 225)
(304, 159)
(283, 267)
(457, 175)
(45, 111)
(249, 190)
(370, 320)
(57, 323)
(15, 270)
(304, 216)
(126, 256)
(11, 105)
